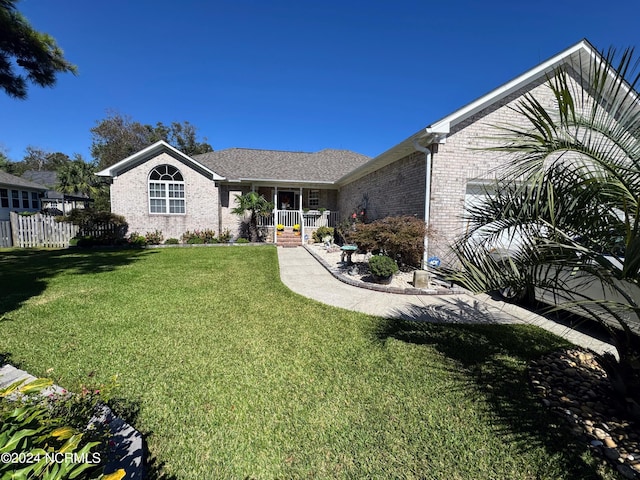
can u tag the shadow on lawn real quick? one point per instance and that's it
(153, 468)
(24, 273)
(493, 357)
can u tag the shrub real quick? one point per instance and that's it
(205, 236)
(137, 240)
(171, 241)
(195, 241)
(154, 238)
(322, 232)
(401, 238)
(242, 240)
(224, 236)
(32, 422)
(382, 266)
(102, 228)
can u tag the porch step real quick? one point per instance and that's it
(289, 239)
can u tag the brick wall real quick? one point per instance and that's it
(129, 197)
(465, 157)
(397, 189)
(228, 202)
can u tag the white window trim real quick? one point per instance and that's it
(166, 198)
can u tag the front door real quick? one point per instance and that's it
(288, 200)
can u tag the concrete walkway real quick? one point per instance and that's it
(306, 276)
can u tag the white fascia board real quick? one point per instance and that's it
(508, 88)
(157, 147)
(437, 132)
(281, 181)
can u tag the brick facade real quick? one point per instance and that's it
(130, 198)
(397, 189)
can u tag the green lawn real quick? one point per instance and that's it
(231, 375)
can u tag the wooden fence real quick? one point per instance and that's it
(40, 231)
(5, 234)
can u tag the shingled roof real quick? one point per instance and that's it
(6, 179)
(325, 166)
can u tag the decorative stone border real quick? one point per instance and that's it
(572, 384)
(455, 290)
(127, 445)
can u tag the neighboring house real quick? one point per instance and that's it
(18, 195)
(54, 202)
(430, 175)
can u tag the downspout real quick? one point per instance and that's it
(427, 199)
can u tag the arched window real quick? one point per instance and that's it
(166, 190)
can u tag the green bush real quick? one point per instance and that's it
(195, 241)
(225, 236)
(382, 266)
(401, 238)
(102, 228)
(242, 240)
(322, 232)
(137, 240)
(154, 238)
(171, 241)
(205, 236)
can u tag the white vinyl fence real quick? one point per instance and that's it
(39, 231)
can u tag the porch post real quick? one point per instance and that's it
(301, 218)
(275, 215)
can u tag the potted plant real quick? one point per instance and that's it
(296, 229)
(280, 228)
(382, 268)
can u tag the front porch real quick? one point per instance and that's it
(309, 221)
(300, 206)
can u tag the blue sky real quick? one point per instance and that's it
(291, 75)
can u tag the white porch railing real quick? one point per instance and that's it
(289, 218)
(325, 219)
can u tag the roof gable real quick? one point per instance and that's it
(576, 56)
(153, 151)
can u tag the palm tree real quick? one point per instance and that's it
(77, 177)
(570, 200)
(256, 205)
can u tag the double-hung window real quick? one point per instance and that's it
(314, 198)
(166, 190)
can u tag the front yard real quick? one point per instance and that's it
(231, 375)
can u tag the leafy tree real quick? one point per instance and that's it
(36, 53)
(38, 159)
(255, 205)
(570, 200)
(118, 136)
(7, 165)
(183, 136)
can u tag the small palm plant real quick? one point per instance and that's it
(256, 206)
